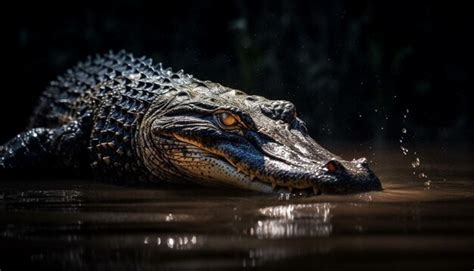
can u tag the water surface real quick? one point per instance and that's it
(85, 225)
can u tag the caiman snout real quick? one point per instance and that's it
(292, 160)
(348, 177)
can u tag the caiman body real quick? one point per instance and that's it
(123, 119)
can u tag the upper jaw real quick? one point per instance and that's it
(312, 179)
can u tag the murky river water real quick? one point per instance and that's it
(84, 225)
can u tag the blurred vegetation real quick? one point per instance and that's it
(352, 68)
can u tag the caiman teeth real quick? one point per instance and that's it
(274, 182)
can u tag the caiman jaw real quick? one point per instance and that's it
(254, 180)
(270, 168)
(303, 186)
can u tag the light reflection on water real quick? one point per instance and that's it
(178, 242)
(293, 220)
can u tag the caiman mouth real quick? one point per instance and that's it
(254, 180)
(310, 190)
(271, 182)
(258, 183)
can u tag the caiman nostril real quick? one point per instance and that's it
(331, 166)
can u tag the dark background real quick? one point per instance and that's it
(353, 68)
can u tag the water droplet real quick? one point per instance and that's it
(169, 217)
(408, 111)
(381, 128)
(360, 115)
(416, 163)
(404, 150)
(404, 131)
(170, 242)
(376, 110)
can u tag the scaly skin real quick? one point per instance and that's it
(129, 121)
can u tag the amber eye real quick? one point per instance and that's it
(227, 119)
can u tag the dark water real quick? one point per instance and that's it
(75, 225)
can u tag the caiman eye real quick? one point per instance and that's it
(227, 120)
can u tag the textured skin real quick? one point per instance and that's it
(103, 99)
(123, 119)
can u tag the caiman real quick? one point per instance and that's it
(121, 118)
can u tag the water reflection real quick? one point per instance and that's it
(175, 242)
(93, 226)
(65, 200)
(260, 256)
(43, 196)
(293, 220)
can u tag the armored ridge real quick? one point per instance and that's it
(129, 121)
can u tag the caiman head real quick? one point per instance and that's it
(209, 134)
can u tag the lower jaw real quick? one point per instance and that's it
(255, 182)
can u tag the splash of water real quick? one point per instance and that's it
(404, 150)
(416, 163)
